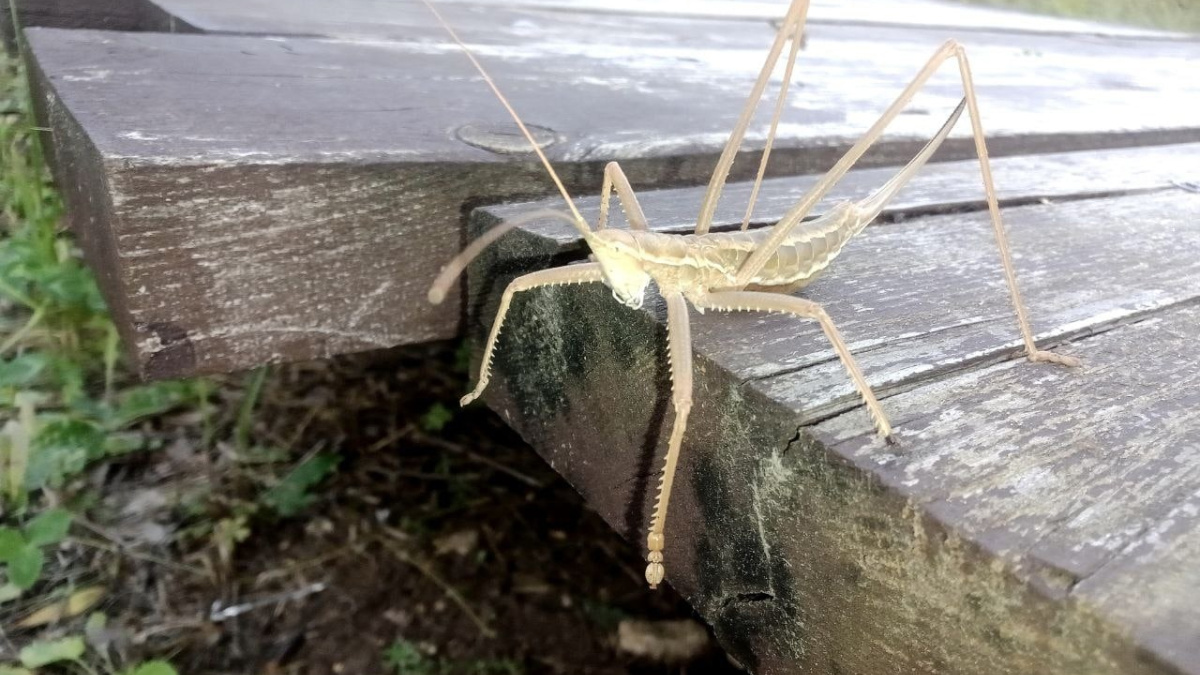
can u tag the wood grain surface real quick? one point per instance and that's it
(288, 192)
(1032, 519)
(376, 17)
(263, 199)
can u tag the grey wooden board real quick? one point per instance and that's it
(952, 185)
(969, 311)
(922, 13)
(1033, 519)
(111, 14)
(375, 17)
(1088, 481)
(628, 84)
(96, 14)
(259, 200)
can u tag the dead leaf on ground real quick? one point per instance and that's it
(677, 641)
(461, 542)
(79, 602)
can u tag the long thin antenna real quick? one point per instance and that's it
(581, 224)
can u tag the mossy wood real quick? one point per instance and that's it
(249, 199)
(1032, 519)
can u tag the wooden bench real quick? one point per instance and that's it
(288, 192)
(370, 17)
(248, 199)
(1032, 518)
(142, 15)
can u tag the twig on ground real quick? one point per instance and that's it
(115, 546)
(218, 614)
(404, 556)
(450, 446)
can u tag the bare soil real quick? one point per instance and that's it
(459, 541)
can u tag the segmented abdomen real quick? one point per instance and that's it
(712, 260)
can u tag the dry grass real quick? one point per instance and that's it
(1174, 15)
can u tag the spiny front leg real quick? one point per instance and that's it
(752, 301)
(679, 350)
(557, 276)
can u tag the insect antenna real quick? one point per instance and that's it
(580, 223)
(445, 278)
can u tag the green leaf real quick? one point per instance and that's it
(151, 668)
(49, 527)
(124, 442)
(62, 449)
(258, 454)
(25, 567)
(14, 670)
(45, 652)
(406, 658)
(72, 288)
(22, 370)
(150, 400)
(11, 543)
(96, 622)
(462, 357)
(437, 418)
(70, 377)
(291, 495)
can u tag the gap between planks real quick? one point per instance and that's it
(1000, 500)
(1099, 247)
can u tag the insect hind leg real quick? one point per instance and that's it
(679, 336)
(750, 301)
(951, 49)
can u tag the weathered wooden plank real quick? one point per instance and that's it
(936, 263)
(1085, 481)
(378, 17)
(1159, 564)
(226, 210)
(944, 291)
(97, 14)
(943, 186)
(974, 546)
(109, 14)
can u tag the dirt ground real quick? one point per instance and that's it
(455, 550)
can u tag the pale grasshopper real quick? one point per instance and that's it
(736, 271)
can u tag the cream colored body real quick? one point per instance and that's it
(698, 264)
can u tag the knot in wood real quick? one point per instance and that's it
(505, 139)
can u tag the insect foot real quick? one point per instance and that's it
(1043, 356)
(884, 429)
(462, 402)
(654, 568)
